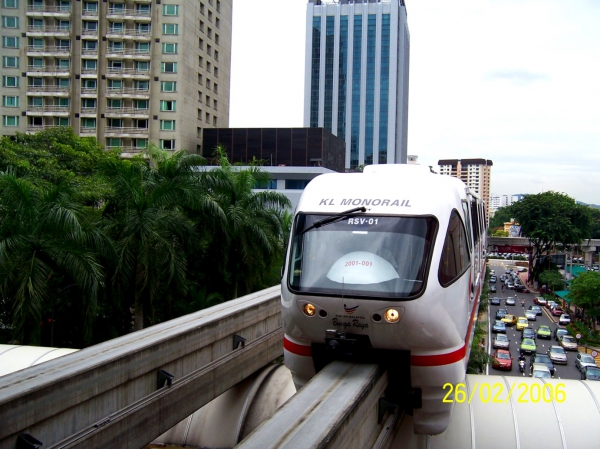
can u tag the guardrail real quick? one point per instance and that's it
(132, 389)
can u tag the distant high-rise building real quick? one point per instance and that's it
(356, 78)
(473, 172)
(126, 72)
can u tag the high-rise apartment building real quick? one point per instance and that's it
(124, 71)
(475, 173)
(356, 77)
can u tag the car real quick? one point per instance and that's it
(539, 357)
(510, 285)
(537, 309)
(501, 359)
(560, 331)
(522, 323)
(521, 289)
(510, 301)
(493, 280)
(493, 289)
(540, 301)
(510, 320)
(530, 315)
(521, 269)
(583, 360)
(492, 272)
(557, 311)
(550, 304)
(540, 370)
(528, 346)
(544, 332)
(501, 341)
(568, 342)
(501, 313)
(557, 354)
(503, 277)
(499, 326)
(590, 373)
(495, 301)
(528, 332)
(564, 319)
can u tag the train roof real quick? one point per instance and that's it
(388, 189)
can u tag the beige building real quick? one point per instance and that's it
(475, 173)
(124, 71)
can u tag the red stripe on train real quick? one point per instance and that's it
(438, 359)
(297, 349)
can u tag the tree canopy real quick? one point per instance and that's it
(584, 292)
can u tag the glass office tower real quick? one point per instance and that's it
(356, 78)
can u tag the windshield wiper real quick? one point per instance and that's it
(336, 217)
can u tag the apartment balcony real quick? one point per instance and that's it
(135, 113)
(129, 34)
(129, 14)
(48, 50)
(128, 53)
(89, 13)
(89, 54)
(48, 11)
(88, 112)
(48, 31)
(46, 91)
(48, 70)
(88, 131)
(31, 129)
(48, 111)
(128, 92)
(89, 73)
(126, 131)
(127, 72)
(89, 92)
(89, 34)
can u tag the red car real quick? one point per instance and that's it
(557, 311)
(501, 359)
(521, 289)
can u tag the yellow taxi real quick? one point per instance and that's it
(522, 323)
(510, 320)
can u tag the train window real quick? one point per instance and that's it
(455, 253)
(465, 206)
(362, 256)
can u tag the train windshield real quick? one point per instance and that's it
(362, 256)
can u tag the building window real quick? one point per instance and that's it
(64, 64)
(10, 62)
(117, 8)
(140, 104)
(142, 85)
(143, 9)
(167, 144)
(142, 47)
(217, 39)
(207, 118)
(89, 84)
(115, 66)
(170, 10)
(13, 4)
(167, 125)
(168, 105)
(88, 103)
(116, 27)
(10, 81)
(143, 28)
(90, 7)
(36, 102)
(90, 46)
(114, 103)
(62, 102)
(140, 143)
(168, 86)
(10, 42)
(63, 44)
(170, 28)
(169, 47)
(201, 26)
(10, 101)
(112, 142)
(10, 22)
(10, 120)
(169, 67)
(116, 46)
(214, 121)
(215, 104)
(142, 66)
(216, 72)
(61, 121)
(88, 123)
(201, 44)
(90, 65)
(216, 55)
(215, 88)
(114, 123)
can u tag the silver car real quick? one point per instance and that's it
(557, 354)
(531, 315)
(510, 301)
(568, 342)
(501, 341)
(583, 360)
(540, 370)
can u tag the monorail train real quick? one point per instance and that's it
(386, 266)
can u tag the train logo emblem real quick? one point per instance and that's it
(350, 310)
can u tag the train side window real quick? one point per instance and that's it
(455, 253)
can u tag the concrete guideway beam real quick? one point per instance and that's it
(336, 408)
(63, 397)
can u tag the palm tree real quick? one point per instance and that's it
(253, 232)
(47, 241)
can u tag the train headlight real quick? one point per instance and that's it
(392, 315)
(309, 309)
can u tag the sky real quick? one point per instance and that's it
(516, 82)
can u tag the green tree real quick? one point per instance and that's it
(253, 232)
(584, 292)
(501, 216)
(552, 279)
(549, 218)
(48, 243)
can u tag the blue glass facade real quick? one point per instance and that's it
(370, 88)
(384, 88)
(329, 54)
(315, 71)
(356, 69)
(342, 77)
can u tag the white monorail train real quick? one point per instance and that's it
(386, 266)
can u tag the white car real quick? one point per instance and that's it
(564, 319)
(531, 315)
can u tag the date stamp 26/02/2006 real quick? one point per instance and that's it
(494, 393)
